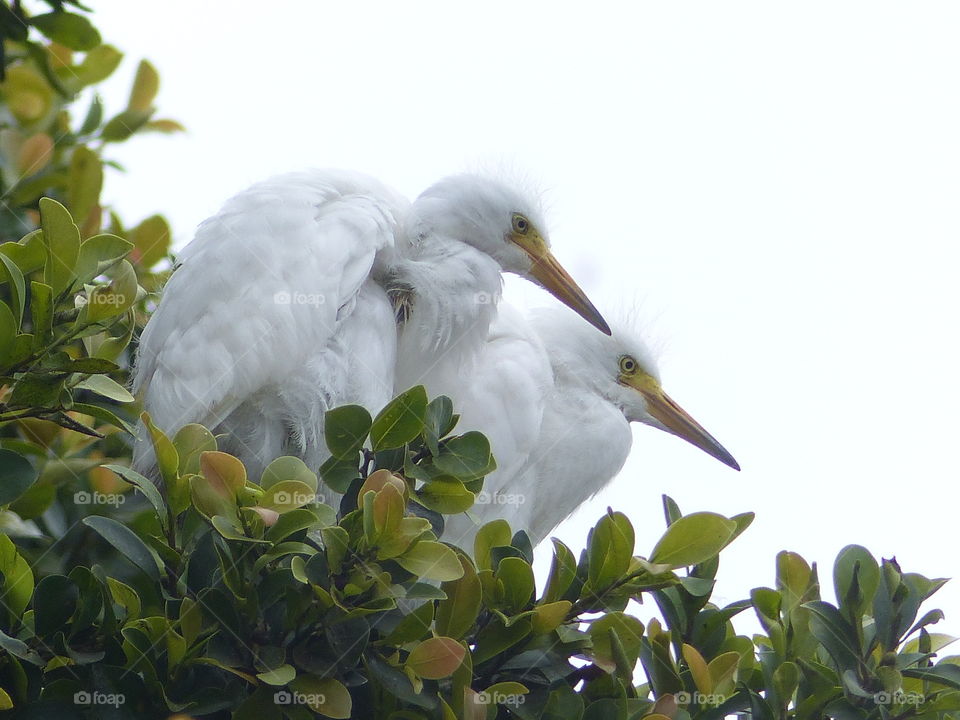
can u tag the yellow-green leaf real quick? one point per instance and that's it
(436, 658)
(145, 87)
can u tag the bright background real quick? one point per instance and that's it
(775, 185)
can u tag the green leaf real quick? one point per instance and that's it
(225, 473)
(610, 550)
(693, 539)
(494, 534)
(432, 560)
(456, 614)
(326, 696)
(70, 30)
(414, 626)
(293, 522)
(41, 312)
(122, 126)
(146, 83)
(18, 288)
(838, 637)
(629, 633)
(466, 457)
(518, 583)
(278, 676)
(401, 421)
(102, 385)
(97, 65)
(108, 301)
(190, 441)
(439, 422)
(62, 240)
(54, 603)
(147, 488)
(287, 495)
(99, 253)
(8, 334)
(942, 673)
(345, 430)
(152, 240)
(125, 596)
(288, 468)
(86, 181)
(547, 617)
(16, 476)
(124, 540)
(17, 580)
(436, 658)
(447, 495)
(856, 577)
(339, 474)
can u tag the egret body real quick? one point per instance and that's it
(587, 391)
(285, 304)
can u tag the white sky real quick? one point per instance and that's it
(776, 183)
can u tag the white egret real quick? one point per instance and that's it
(284, 305)
(593, 387)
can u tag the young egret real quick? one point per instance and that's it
(595, 386)
(285, 304)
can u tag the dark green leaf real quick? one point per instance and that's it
(124, 540)
(401, 420)
(16, 476)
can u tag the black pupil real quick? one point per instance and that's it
(521, 224)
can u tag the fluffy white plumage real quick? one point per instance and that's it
(583, 391)
(284, 304)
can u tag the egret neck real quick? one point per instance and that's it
(452, 291)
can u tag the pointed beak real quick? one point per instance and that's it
(678, 422)
(557, 281)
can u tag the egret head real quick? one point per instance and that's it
(621, 369)
(504, 224)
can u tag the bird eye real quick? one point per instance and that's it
(628, 365)
(520, 224)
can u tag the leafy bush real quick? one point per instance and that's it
(72, 296)
(300, 594)
(260, 600)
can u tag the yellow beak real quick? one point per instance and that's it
(557, 281)
(678, 422)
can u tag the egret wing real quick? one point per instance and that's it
(265, 285)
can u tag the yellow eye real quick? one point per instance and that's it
(628, 366)
(520, 224)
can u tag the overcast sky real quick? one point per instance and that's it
(775, 185)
